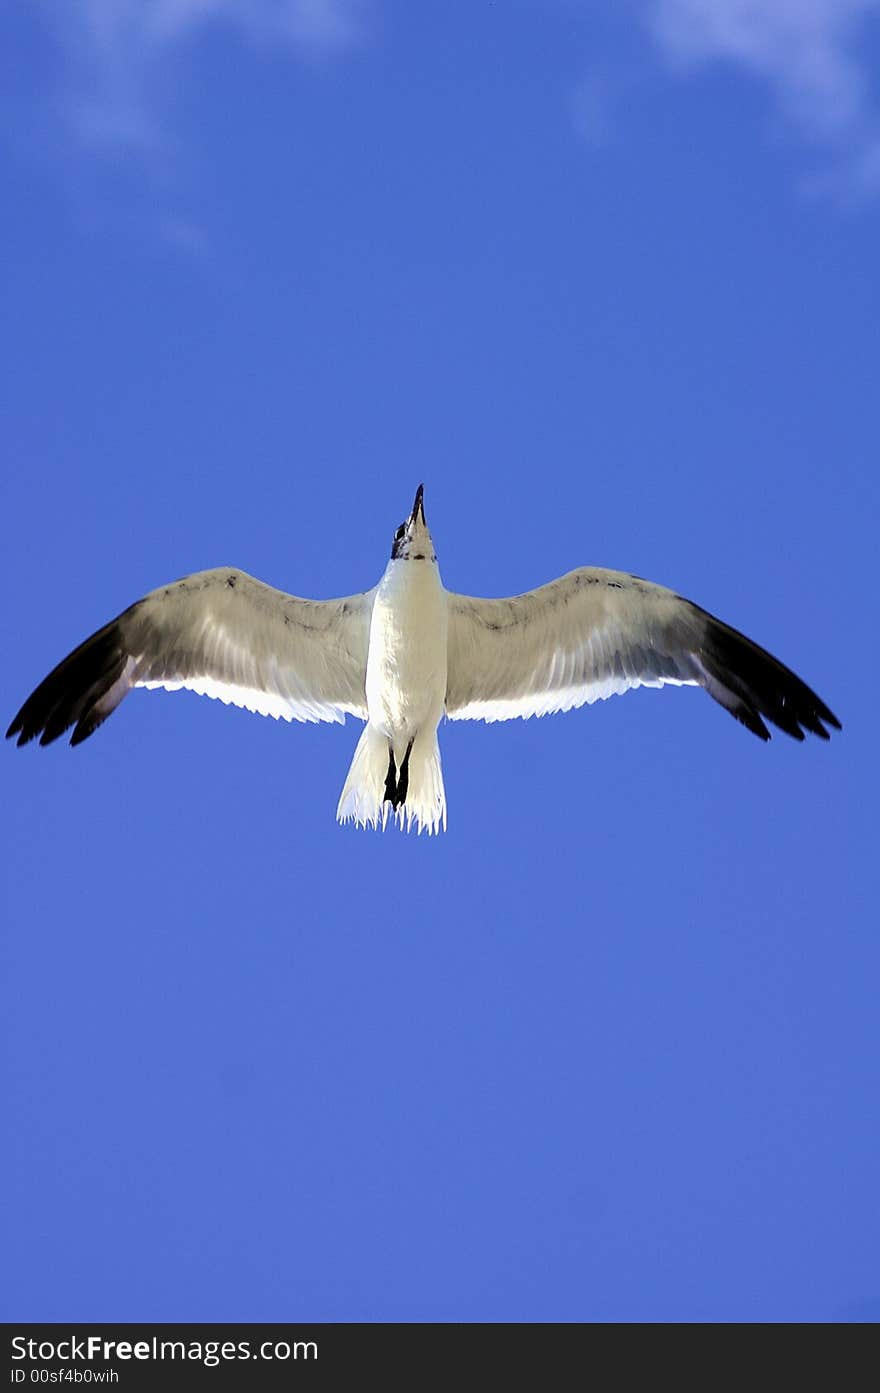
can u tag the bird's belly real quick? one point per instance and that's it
(406, 668)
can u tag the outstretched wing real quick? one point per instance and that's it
(594, 633)
(220, 633)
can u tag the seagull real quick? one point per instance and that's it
(404, 654)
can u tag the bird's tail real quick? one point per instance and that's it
(409, 788)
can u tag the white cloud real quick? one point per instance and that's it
(115, 53)
(184, 235)
(807, 51)
(591, 103)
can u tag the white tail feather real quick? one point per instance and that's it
(363, 797)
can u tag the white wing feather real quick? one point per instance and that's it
(222, 634)
(594, 633)
(589, 635)
(225, 635)
(584, 637)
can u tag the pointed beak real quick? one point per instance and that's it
(418, 510)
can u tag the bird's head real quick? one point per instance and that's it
(412, 540)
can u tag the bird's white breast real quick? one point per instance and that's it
(406, 666)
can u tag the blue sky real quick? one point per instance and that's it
(605, 278)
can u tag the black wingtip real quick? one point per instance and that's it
(76, 692)
(750, 683)
(752, 721)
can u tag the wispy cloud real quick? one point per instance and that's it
(184, 235)
(591, 103)
(806, 51)
(107, 111)
(115, 52)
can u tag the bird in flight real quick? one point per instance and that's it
(406, 653)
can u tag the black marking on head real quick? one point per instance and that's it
(230, 581)
(399, 550)
(404, 535)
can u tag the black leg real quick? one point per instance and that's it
(391, 780)
(403, 781)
